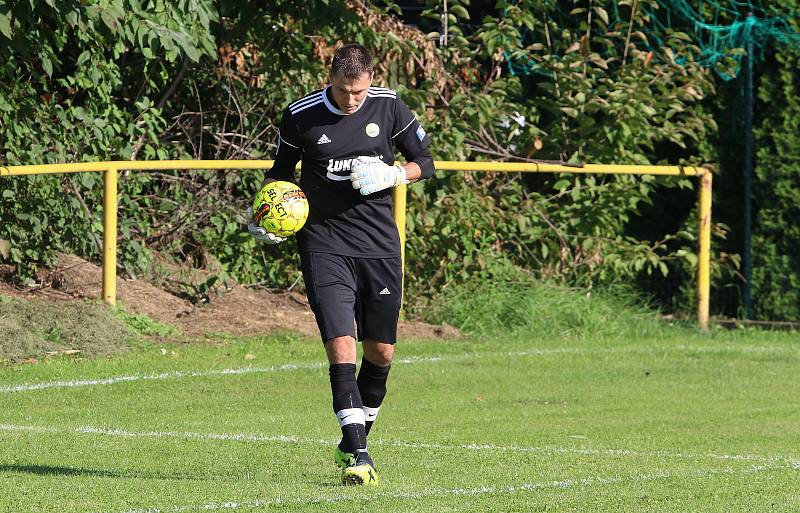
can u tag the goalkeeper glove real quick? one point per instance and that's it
(370, 174)
(260, 232)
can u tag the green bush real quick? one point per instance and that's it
(527, 307)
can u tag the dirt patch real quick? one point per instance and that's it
(236, 311)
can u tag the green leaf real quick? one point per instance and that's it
(47, 64)
(83, 57)
(191, 51)
(109, 20)
(562, 185)
(569, 111)
(72, 18)
(5, 25)
(602, 14)
(459, 11)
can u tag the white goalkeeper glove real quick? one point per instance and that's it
(260, 232)
(370, 174)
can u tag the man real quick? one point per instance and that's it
(345, 135)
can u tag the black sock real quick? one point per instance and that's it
(363, 457)
(372, 387)
(347, 406)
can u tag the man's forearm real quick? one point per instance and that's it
(418, 168)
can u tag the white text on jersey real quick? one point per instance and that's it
(335, 166)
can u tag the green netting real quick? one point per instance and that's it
(724, 31)
(730, 30)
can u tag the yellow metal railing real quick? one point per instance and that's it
(110, 200)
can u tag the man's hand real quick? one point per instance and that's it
(370, 174)
(259, 232)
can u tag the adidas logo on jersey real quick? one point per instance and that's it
(324, 139)
(384, 292)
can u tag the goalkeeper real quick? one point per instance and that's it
(346, 135)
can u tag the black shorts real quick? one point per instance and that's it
(350, 296)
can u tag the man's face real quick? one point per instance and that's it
(350, 93)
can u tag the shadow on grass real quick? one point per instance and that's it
(49, 470)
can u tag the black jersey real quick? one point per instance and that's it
(341, 220)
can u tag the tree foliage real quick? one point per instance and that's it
(85, 81)
(119, 79)
(776, 241)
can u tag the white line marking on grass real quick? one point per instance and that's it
(225, 372)
(162, 375)
(234, 437)
(598, 452)
(318, 365)
(243, 437)
(362, 498)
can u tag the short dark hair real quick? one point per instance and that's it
(351, 61)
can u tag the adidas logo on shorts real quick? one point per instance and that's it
(324, 139)
(384, 292)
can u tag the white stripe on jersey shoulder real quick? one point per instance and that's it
(311, 96)
(381, 90)
(403, 129)
(305, 106)
(281, 139)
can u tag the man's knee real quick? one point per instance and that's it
(341, 350)
(378, 353)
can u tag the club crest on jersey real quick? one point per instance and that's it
(372, 130)
(340, 169)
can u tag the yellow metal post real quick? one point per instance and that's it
(704, 251)
(110, 236)
(399, 210)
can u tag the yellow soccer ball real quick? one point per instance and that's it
(281, 208)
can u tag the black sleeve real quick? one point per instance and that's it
(425, 163)
(410, 138)
(289, 150)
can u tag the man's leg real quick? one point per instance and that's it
(372, 377)
(380, 292)
(347, 404)
(330, 287)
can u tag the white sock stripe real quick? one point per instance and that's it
(350, 416)
(371, 413)
(793, 461)
(422, 359)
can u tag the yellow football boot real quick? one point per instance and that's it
(363, 474)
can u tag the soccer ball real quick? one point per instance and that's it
(281, 208)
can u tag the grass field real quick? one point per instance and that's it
(681, 421)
